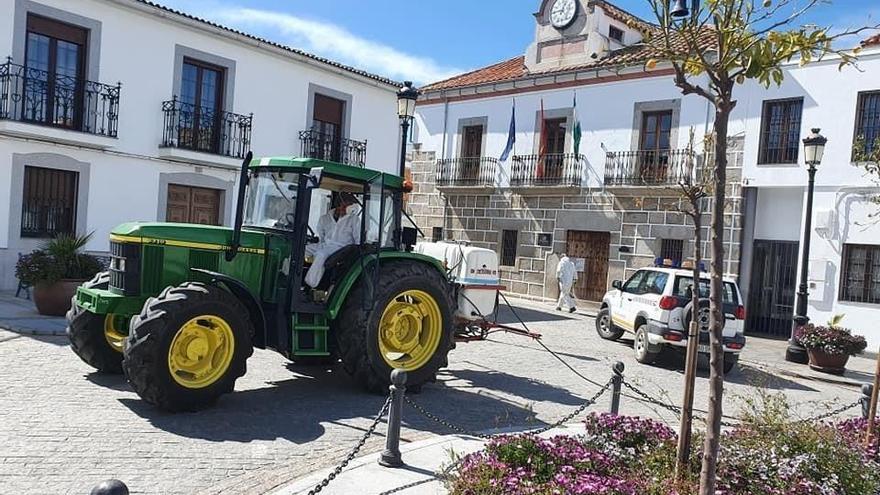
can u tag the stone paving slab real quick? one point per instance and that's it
(64, 427)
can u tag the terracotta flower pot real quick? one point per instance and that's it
(828, 363)
(54, 299)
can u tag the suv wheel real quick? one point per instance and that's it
(644, 354)
(605, 328)
(730, 361)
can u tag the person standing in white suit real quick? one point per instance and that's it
(566, 275)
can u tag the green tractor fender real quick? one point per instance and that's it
(347, 282)
(241, 291)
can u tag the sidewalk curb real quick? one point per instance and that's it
(804, 376)
(303, 484)
(21, 330)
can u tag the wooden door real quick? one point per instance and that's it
(471, 150)
(554, 161)
(188, 204)
(593, 248)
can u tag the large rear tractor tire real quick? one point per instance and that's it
(96, 339)
(407, 325)
(188, 346)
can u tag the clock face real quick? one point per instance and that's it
(562, 13)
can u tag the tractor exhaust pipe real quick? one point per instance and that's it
(239, 207)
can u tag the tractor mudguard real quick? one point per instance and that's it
(340, 292)
(240, 290)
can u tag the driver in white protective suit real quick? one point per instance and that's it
(326, 224)
(344, 232)
(566, 274)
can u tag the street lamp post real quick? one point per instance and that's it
(406, 109)
(814, 148)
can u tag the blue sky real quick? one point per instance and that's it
(426, 40)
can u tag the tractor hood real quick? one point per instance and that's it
(187, 235)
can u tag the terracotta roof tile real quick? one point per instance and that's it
(620, 15)
(872, 41)
(515, 68)
(296, 51)
(509, 69)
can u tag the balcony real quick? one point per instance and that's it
(554, 170)
(58, 104)
(333, 148)
(473, 172)
(193, 128)
(649, 167)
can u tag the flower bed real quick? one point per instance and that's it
(620, 455)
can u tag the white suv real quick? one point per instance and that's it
(655, 304)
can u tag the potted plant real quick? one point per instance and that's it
(830, 347)
(56, 270)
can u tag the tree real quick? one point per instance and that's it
(719, 45)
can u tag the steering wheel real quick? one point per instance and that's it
(311, 238)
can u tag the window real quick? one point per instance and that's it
(509, 243)
(656, 130)
(868, 119)
(54, 57)
(436, 234)
(633, 285)
(861, 273)
(672, 249)
(327, 122)
(654, 283)
(780, 131)
(48, 205)
(471, 151)
(201, 93)
(615, 34)
(682, 289)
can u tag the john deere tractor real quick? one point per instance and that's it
(183, 306)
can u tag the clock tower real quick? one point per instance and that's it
(570, 33)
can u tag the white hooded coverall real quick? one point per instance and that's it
(345, 232)
(325, 227)
(566, 275)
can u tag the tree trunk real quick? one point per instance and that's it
(716, 236)
(690, 369)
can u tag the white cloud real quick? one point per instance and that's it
(327, 40)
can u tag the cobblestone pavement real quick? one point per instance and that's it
(63, 427)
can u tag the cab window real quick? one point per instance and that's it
(633, 285)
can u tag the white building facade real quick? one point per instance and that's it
(122, 110)
(613, 203)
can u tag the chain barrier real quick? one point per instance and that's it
(351, 455)
(464, 431)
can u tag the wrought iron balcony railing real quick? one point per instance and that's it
(474, 171)
(552, 169)
(197, 128)
(45, 98)
(316, 144)
(649, 167)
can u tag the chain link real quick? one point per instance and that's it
(351, 455)
(464, 431)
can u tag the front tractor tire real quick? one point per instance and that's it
(188, 346)
(407, 325)
(96, 339)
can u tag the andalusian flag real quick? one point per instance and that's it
(576, 132)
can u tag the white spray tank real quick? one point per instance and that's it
(474, 270)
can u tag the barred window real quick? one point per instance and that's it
(868, 119)
(861, 273)
(509, 241)
(672, 249)
(48, 206)
(615, 34)
(780, 131)
(436, 234)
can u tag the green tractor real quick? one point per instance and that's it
(182, 306)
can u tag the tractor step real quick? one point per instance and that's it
(310, 333)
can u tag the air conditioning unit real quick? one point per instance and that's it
(825, 222)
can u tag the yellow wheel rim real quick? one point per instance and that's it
(201, 351)
(115, 338)
(410, 330)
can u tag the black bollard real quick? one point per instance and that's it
(110, 487)
(867, 390)
(391, 455)
(616, 383)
